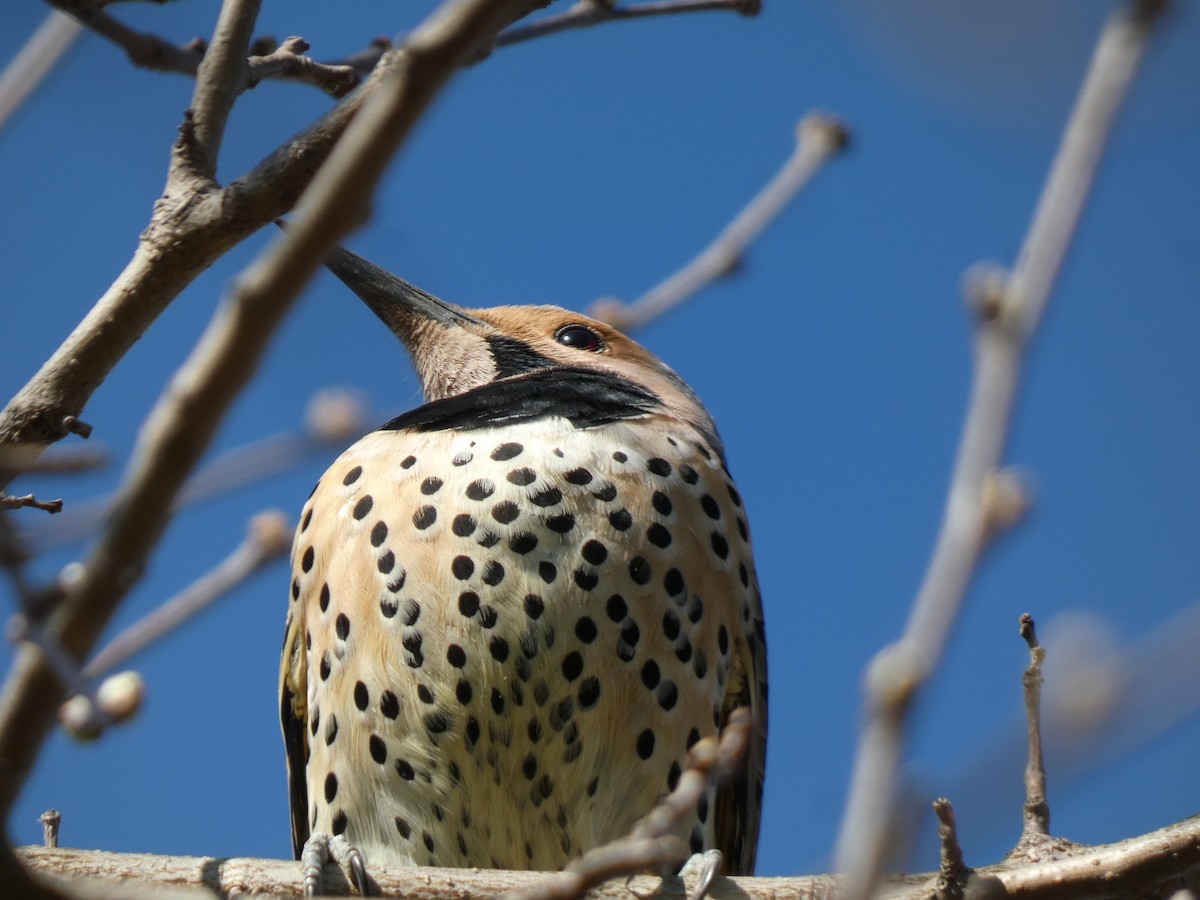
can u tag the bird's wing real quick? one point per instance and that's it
(293, 713)
(738, 802)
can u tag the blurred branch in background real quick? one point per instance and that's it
(35, 61)
(818, 137)
(1007, 310)
(333, 417)
(268, 538)
(586, 13)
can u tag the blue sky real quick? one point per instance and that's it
(836, 364)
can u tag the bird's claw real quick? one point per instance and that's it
(321, 848)
(705, 867)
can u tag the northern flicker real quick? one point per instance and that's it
(515, 608)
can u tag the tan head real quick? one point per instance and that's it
(456, 350)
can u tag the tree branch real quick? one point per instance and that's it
(268, 537)
(1154, 864)
(333, 417)
(147, 51)
(586, 13)
(1037, 810)
(287, 61)
(8, 501)
(220, 79)
(818, 137)
(1007, 313)
(36, 59)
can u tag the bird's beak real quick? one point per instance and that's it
(401, 306)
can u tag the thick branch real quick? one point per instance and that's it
(1153, 864)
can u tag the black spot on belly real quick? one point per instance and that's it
(658, 466)
(507, 451)
(645, 744)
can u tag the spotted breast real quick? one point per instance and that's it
(514, 609)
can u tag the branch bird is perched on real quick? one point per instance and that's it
(515, 608)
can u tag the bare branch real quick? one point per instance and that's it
(268, 538)
(145, 50)
(35, 61)
(818, 137)
(51, 819)
(8, 501)
(287, 61)
(221, 77)
(1154, 864)
(1037, 810)
(1005, 321)
(951, 868)
(333, 416)
(593, 12)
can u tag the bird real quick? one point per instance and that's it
(515, 608)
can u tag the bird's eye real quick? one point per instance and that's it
(580, 337)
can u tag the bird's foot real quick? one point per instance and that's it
(705, 867)
(321, 848)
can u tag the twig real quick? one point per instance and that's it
(956, 880)
(652, 843)
(8, 501)
(147, 51)
(35, 60)
(818, 137)
(1006, 319)
(592, 12)
(267, 538)
(185, 418)
(284, 63)
(287, 61)
(51, 819)
(1037, 810)
(951, 868)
